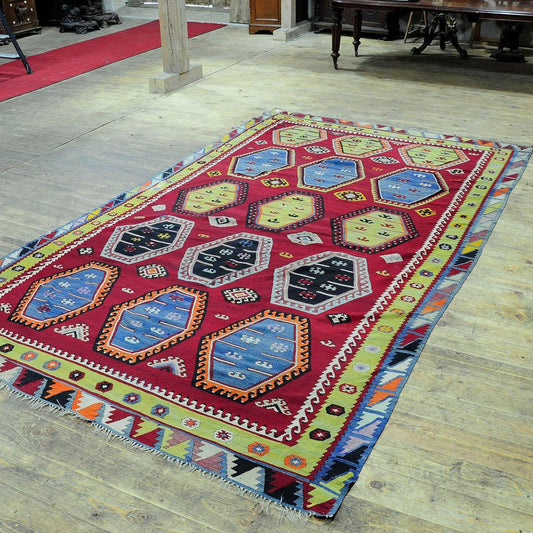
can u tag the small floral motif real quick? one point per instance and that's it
(152, 271)
(28, 356)
(351, 196)
(258, 448)
(295, 461)
(397, 311)
(335, 410)
(427, 212)
(372, 348)
(160, 410)
(250, 339)
(279, 347)
(347, 388)
(240, 295)
(190, 423)
(132, 398)
(223, 435)
(76, 375)
(339, 318)
(104, 386)
(275, 182)
(320, 434)
(317, 149)
(52, 365)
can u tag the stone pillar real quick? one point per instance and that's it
(289, 28)
(177, 71)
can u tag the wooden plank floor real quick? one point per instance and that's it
(456, 454)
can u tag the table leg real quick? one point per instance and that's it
(357, 24)
(445, 29)
(336, 32)
(455, 42)
(429, 35)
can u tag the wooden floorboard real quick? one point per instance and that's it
(456, 455)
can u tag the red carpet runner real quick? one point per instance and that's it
(69, 61)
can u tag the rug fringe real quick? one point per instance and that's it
(266, 505)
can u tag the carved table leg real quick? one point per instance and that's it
(357, 24)
(446, 29)
(393, 26)
(510, 36)
(429, 35)
(336, 31)
(453, 39)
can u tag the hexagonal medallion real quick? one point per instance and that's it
(254, 356)
(225, 260)
(285, 211)
(145, 326)
(137, 242)
(360, 146)
(373, 229)
(64, 295)
(261, 163)
(320, 282)
(329, 173)
(409, 188)
(299, 135)
(436, 157)
(211, 198)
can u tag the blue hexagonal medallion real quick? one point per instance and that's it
(329, 173)
(254, 356)
(142, 327)
(262, 162)
(409, 188)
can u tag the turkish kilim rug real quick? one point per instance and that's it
(255, 310)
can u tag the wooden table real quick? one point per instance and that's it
(506, 10)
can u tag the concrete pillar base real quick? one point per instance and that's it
(287, 34)
(166, 82)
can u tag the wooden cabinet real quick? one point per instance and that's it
(21, 15)
(265, 15)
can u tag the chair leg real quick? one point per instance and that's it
(409, 21)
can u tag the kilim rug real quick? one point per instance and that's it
(69, 61)
(255, 310)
